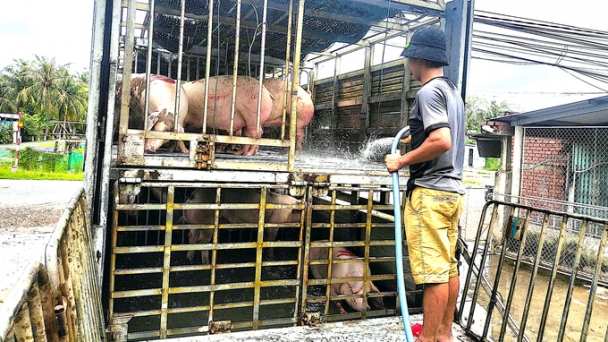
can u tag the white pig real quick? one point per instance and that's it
(344, 270)
(202, 216)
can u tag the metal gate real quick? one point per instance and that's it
(544, 282)
(251, 281)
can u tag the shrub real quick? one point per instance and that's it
(6, 134)
(492, 164)
(28, 158)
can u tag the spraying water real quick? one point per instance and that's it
(375, 150)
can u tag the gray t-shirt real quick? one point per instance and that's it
(438, 104)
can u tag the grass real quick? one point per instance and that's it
(7, 173)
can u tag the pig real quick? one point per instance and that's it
(304, 109)
(344, 270)
(160, 108)
(220, 105)
(196, 216)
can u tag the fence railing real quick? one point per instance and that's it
(518, 273)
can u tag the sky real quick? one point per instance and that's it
(62, 29)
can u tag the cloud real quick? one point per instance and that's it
(59, 28)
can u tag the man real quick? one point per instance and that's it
(434, 190)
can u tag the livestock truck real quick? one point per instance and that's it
(177, 235)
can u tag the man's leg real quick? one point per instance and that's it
(445, 328)
(434, 303)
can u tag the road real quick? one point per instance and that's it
(29, 211)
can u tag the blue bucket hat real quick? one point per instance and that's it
(427, 43)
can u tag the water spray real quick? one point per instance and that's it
(405, 318)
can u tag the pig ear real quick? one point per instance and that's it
(152, 119)
(355, 286)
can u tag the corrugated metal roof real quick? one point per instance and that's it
(325, 22)
(591, 112)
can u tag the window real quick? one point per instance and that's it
(470, 157)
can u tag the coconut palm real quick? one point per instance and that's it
(46, 91)
(14, 82)
(479, 110)
(72, 99)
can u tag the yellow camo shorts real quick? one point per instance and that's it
(431, 229)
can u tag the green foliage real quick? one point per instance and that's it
(30, 159)
(6, 173)
(44, 87)
(479, 110)
(492, 164)
(6, 134)
(33, 127)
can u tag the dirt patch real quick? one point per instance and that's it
(29, 211)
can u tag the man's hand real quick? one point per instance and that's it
(393, 162)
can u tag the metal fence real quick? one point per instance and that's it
(563, 169)
(239, 277)
(58, 301)
(530, 281)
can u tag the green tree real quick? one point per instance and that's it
(479, 110)
(43, 90)
(15, 79)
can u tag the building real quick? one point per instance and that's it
(13, 121)
(556, 157)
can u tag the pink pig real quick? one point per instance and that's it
(232, 195)
(344, 270)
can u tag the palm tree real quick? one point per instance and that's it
(16, 79)
(479, 110)
(46, 90)
(72, 99)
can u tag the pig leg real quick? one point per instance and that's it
(338, 302)
(192, 238)
(180, 143)
(249, 150)
(199, 236)
(270, 234)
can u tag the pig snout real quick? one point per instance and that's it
(149, 148)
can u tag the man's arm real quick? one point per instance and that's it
(436, 144)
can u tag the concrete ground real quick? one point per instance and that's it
(29, 211)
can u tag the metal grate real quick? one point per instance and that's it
(243, 287)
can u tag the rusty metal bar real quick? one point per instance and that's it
(167, 262)
(577, 259)
(294, 88)
(493, 296)
(126, 79)
(22, 324)
(558, 253)
(180, 50)
(330, 254)
(208, 64)
(287, 88)
(522, 244)
(149, 62)
(114, 242)
(368, 237)
(306, 249)
(541, 242)
(593, 289)
(216, 221)
(300, 263)
(235, 68)
(262, 72)
(260, 243)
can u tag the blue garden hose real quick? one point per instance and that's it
(405, 318)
